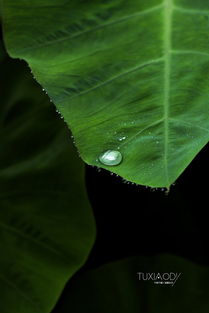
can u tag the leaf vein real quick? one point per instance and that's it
(19, 233)
(123, 19)
(190, 11)
(11, 284)
(116, 77)
(190, 124)
(141, 131)
(190, 52)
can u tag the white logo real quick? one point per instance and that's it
(160, 278)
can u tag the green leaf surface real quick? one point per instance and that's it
(46, 224)
(116, 287)
(128, 76)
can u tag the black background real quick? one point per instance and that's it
(138, 221)
(134, 220)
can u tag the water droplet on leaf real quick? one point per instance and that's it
(122, 138)
(110, 157)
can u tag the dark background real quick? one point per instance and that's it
(138, 221)
(134, 220)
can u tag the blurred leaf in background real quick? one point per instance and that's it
(115, 287)
(46, 223)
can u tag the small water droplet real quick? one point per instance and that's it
(122, 138)
(110, 157)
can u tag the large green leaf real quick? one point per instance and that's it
(128, 76)
(46, 223)
(116, 287)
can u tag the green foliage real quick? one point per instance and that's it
(126, 75)
(46, 224)
(131, 80)
(115, 287)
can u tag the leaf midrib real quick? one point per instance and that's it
(168, 9)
